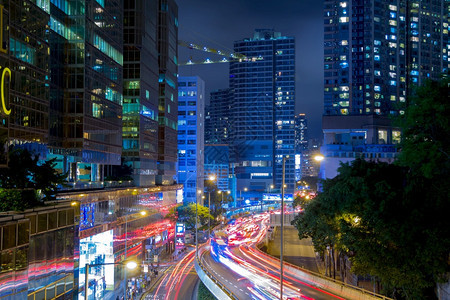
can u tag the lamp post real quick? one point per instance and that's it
(142, 213)
(282, 226)
(130, 265)
(212, 178)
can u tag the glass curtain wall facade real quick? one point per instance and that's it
(24, 67)
(263, 110)
(219, 118)
(375, 52)
(191, 124)
(140, 107)
(39, 254)
(86, 49)
(301, 133)
(168, 97)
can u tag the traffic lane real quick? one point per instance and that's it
(232, 280)
(273, 270)
(175, 282)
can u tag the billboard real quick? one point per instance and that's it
(277, 197)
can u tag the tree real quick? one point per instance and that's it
(218, 198)
(47, 180)
(187, 214)
(392, 220)
(123, 172)
(29, 176)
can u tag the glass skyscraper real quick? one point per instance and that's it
(86, 46)
(191, 124)
(168, 97)
(263, 110)
(24, 67)
(374, 53)
(218, 120)
(140, 103)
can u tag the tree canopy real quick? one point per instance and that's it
(26, 173)
(218, 198)
(187, 214)
(392, 219)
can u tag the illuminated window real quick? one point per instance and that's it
(393, 22)
(396, 136)
(343, 20)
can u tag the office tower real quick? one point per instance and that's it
(301, 133)
(191, 124)
(140, 82)
(218, 121)
(263, 110)
(217, 163)
(24, 69)
(86, 47)
(168, 98)
(375, 53)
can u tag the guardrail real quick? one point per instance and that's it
(211, 282)
(329, 284)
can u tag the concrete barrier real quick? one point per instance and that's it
(333, 286)
(213, 285)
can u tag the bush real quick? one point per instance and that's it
(18, 200)
(204, 293)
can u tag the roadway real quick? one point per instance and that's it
(248, 275)
(179, 281)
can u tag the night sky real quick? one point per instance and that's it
(218, 24)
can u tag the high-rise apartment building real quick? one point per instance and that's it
(219, 119)
(140, 81)
(168, 98)
(86, 46)
(301, 133)
(374, 53)
(191, 124)
(263, 110)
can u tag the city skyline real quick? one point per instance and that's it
(209, 24)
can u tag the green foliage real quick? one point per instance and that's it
(392, 220)
(426, 130)
(120, 173)
(187, 214)
(204, 293)
(25, 172)
(18, 200)
(218, 198)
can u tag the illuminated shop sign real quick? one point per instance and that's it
(180, 230)
(277, 197)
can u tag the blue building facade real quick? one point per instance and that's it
(375, 52)
(263, 110)
(191, 123)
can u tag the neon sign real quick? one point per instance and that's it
(6, 111)
(4, 108)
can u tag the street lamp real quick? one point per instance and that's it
(131, 265)
(212, 178)
(282, 225)
(142, 213)
(319, 157)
